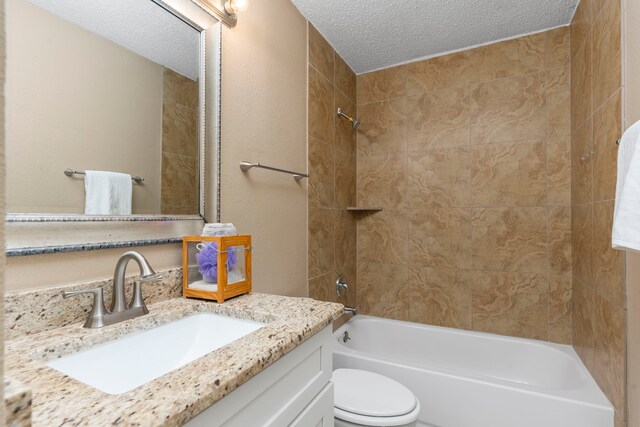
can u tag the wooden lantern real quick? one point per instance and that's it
(193, 282)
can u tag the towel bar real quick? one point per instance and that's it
(245, 166)
(71, 172)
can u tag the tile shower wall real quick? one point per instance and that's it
(598, 271)
(332, 175)
(179, 192)
(469, 155)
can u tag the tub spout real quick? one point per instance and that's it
(352, 310)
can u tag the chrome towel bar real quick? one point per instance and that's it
(245, 166)
(71, 172)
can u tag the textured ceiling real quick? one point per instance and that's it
(138, 25)
(373, 34)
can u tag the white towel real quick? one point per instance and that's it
(107, 193)
(626, 218)
(219, 229)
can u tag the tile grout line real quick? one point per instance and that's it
(546, 164)
(407, 206)
(332, 83)
(470, 184)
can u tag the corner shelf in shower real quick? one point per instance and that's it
(364, 209)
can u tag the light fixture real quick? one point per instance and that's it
(234, 6)
(223, 10)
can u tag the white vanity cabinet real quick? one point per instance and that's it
(294, 391)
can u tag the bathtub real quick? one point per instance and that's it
(474, 379)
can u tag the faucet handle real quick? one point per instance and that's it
(95, 319)
(341, 286)
(94, 291)
(136, 300)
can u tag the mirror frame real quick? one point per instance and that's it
(35, 234)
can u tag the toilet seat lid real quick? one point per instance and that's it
(370, 394)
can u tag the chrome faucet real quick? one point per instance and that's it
(146, 275)
(351, 310)
(99, 316)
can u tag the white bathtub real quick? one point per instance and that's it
(473, 379)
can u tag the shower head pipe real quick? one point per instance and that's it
(354, 122)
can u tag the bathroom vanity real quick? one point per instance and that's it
(279, 374)
(294, 391)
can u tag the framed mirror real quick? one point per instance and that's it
(112, 123)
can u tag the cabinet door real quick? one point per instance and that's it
(278, 394)
(319, 412)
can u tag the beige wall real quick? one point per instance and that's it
(264, 92)
(598, 297)
(58, 117)
(631, 109)
(468, 154)
(332, 166)
(263, 119)
(41, 271)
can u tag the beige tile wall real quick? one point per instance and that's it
(332, 180)
(179, 192)
(469, 154)
(598, 271)
(631, 112)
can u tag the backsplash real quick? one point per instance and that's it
(33, 311)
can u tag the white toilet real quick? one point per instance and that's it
(364, 398)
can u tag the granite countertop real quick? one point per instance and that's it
(17, 398)
(179, 395)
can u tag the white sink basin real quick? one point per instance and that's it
(124, 364)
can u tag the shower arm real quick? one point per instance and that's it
(354, 122)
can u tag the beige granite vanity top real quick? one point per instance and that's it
(179, 395)
(17, 399)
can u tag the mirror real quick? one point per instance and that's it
(126, 86)
(107, 86)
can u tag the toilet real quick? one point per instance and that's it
(364, 398)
